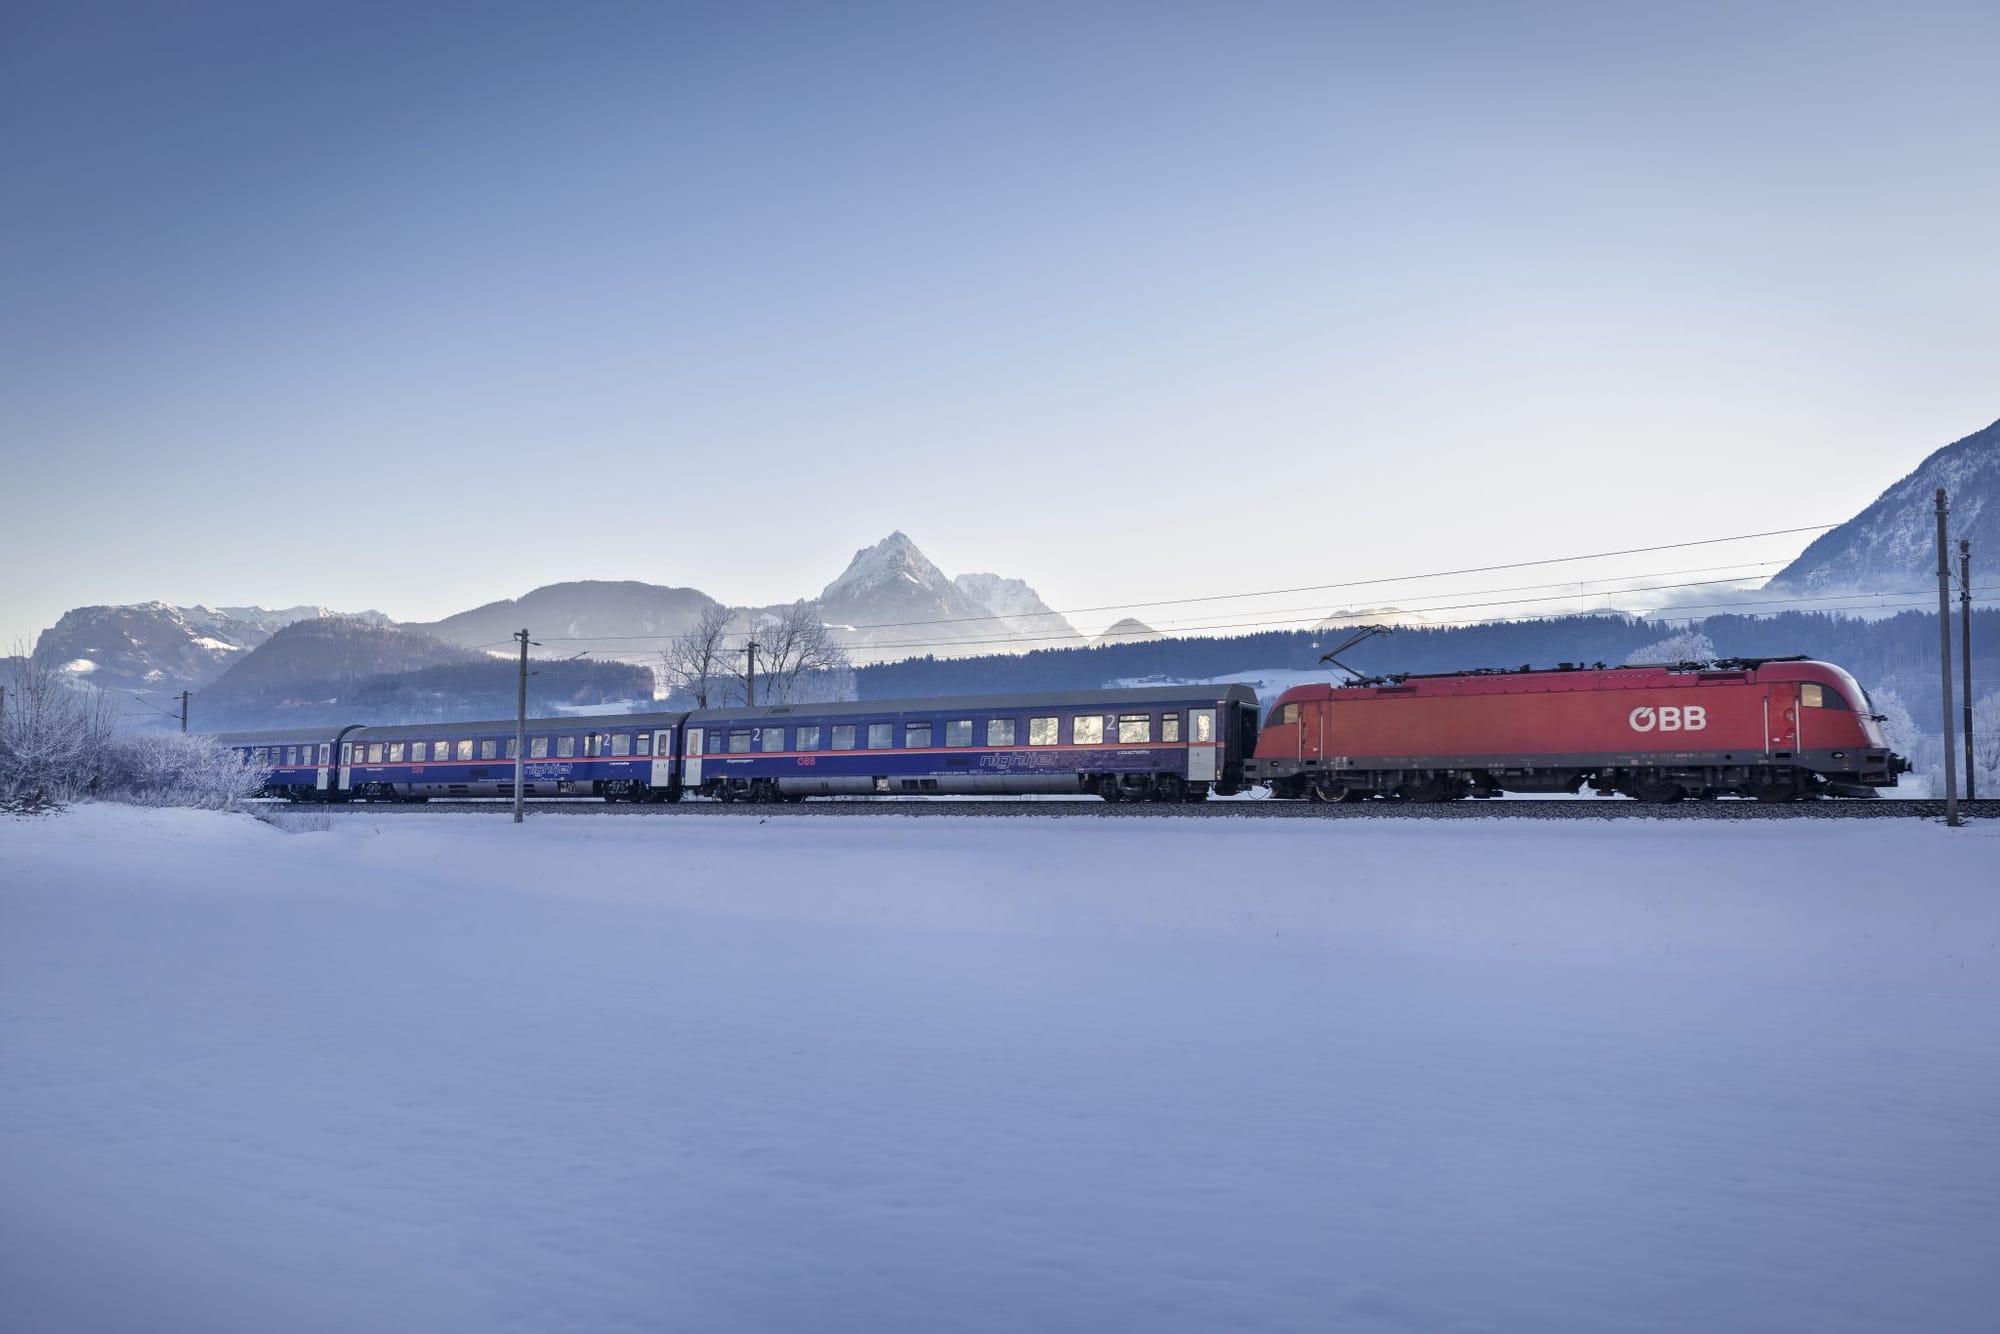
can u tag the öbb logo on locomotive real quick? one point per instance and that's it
(1668, 718)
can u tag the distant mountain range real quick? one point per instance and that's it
(159, 648)
(890, 602)
(622, 619)
(1891, 546)
(334, 669)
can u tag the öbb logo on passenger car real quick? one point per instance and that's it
(1668, 718)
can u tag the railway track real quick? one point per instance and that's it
(1515, 808)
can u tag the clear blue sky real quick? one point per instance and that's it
(413, 307)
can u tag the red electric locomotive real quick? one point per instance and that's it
(1774, 729)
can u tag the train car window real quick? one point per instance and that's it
(375, 752)
(325, 751)
(465, 750)
(773, 738)
(1170, 727)
(419, 751)
(440, 751)
(1087, 731)
(489, 749)
(1204, 725)
(917, 736)
(621, 744)
(806, 739)
(1042, 731)
(1816, 696)
(958, 732)
(291, 754)
(1289, 714)
(843, 737)
(395, 752)
(538, 748)
(739, 742)
(644, 745)
(881, 736)
(1134, 728)
(511, 749)
(565, 747)
(346, 752)
(257, 756)
(999, 731)
(592, 745)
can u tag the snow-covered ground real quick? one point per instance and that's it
(446, 1074)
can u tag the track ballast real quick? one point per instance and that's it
(1519, 808)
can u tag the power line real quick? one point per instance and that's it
(1281, 592)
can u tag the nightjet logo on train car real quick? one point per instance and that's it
(1668, 718)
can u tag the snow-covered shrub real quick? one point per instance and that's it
(52, 735)
(1687, 646)
(170, 769)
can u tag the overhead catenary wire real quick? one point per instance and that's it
(1279, 622)
(1861, 602)
(1280, 592)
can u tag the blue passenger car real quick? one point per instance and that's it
(1168, 743)
(621, 757)
(301, 760)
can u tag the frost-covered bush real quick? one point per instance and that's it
(52, 735)
(1687, 646)
(170, 769)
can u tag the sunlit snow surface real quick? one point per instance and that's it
(443, 1074)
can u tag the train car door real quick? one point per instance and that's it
(1202, 746)
(347, 766)
(321, 776)
(1781, 717)
(663, 759)
(691, 766)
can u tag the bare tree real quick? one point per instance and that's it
(798, 657)
(53, 734)
(1986, 743)
(697, 661)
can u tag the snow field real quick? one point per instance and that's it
(443, 1074)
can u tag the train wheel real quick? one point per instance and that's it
(1107, 788)
(1168, 787)
(1431, 787)
(1655, 790)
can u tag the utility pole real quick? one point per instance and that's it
(184, 711)
(521, 727)
(1944, 641)
(1965, 649)
(750, 679)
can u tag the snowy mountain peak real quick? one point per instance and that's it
(1892, 545)
(893, 560)
(1011, 598)
(1129, 630)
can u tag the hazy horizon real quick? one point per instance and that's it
(416, 309)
